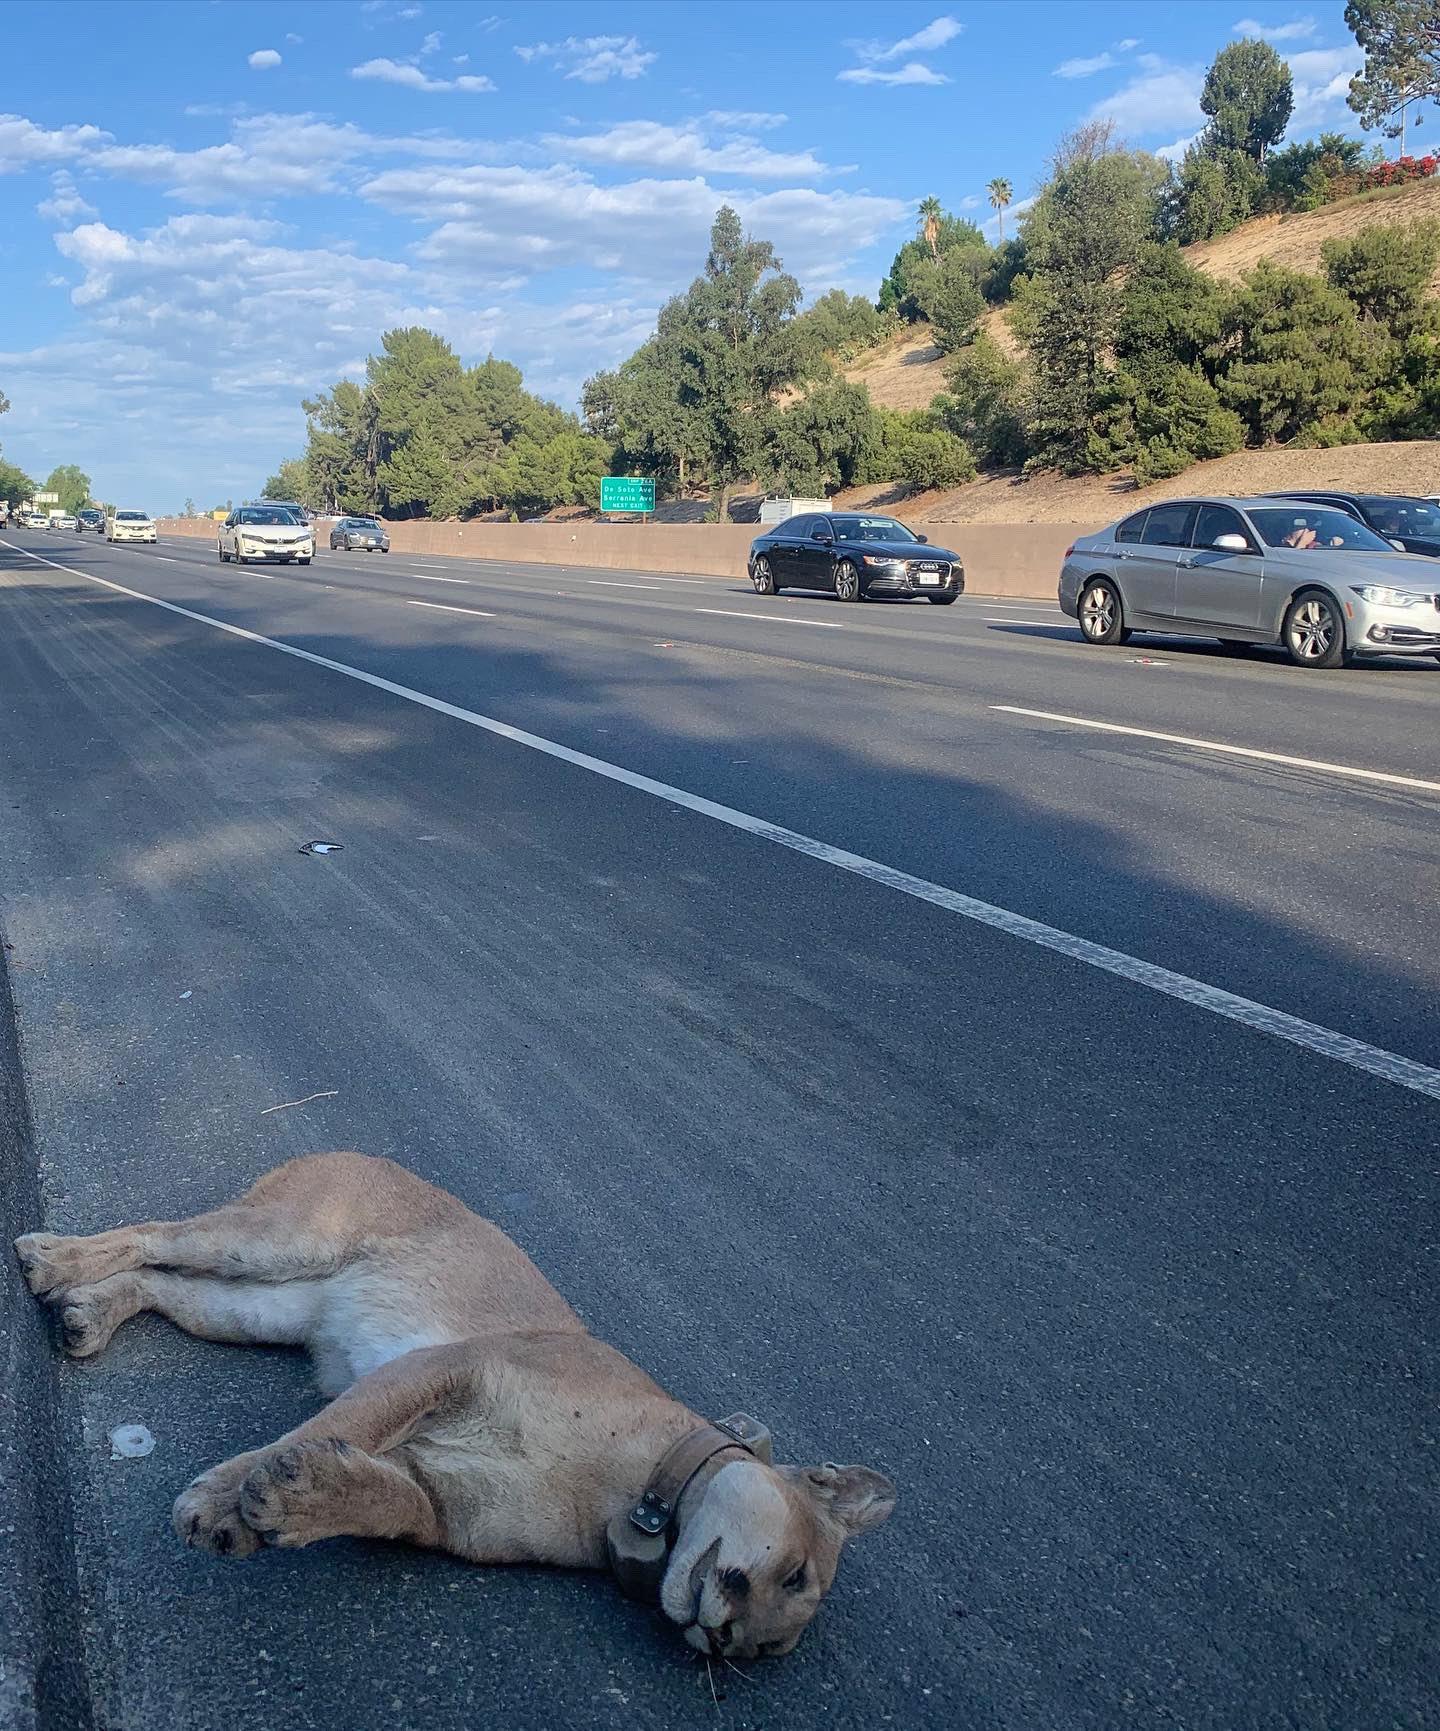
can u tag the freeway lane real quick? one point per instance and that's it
(1130, 1300)
(1292, 887)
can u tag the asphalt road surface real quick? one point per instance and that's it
(852, 1029)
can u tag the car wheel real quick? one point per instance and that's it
(941, 600)
(847, 582)
(349, 545)
(1102, 618)
(1314, 632)
(304, 561)
(763, 577)
(221, 552)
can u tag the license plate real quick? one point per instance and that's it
(929, 576)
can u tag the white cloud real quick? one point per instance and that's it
(493, 22)
(592, 59)
(23, 144)
(264, 58)
(460, 60)
(1175, 151)
(532, 219)
(431, 44)
(1162, 98)
(913, 73)
(1297, 29)
(970, 202)
(409, 75)
(935, 35)
(746, 120)
(1321, 79)
(684, 149)
(64, 205)
(1085, 66)
(1129, 42)
(291, 37)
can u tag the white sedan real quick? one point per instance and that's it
(266, 532)
(130, 526)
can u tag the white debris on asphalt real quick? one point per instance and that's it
(130, 1442)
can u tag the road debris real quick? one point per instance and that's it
(321, 847)
(285, 1105)
(130, 1442)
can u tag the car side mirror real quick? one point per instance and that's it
(1399, 546)
(1231, 544)
(924, 538)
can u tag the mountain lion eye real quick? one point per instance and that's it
(794, 1582)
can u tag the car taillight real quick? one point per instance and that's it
(1070, 549)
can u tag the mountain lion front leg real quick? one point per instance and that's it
(325, 1477)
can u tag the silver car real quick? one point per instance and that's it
(366, 532)
(1305, 576)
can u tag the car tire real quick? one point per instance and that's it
(220, 551)
(1314, 631)
(941, 600)
(1101, 613)
(304, 561)
(349, 545)
(763, 578)
(847, 582)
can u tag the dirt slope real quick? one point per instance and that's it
(1411, 467)
(907, 372)
(1296, 240)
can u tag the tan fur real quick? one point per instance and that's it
(474, 1413)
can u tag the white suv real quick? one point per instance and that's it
(130, 526)
(266, 532)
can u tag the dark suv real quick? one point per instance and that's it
(853, 554)
(89, 518)
(1413, 523)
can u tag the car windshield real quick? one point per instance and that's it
(1390, 516)
(270, 516)
(131, 517)
(1314, 526)
(363, 523)
(871, 529)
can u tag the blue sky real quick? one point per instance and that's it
(208, 211)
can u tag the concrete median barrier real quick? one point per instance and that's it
(1016, 559)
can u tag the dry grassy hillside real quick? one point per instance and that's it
(1412, 467)
(1296, 240)
(907, 372)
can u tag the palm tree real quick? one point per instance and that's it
(1001, 192)
(930, 214)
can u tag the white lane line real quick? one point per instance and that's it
(1035, 619)
(768, 618)
(1260, 1018)
(1345, 769)
(604, 583)
(425, 577)
(441, 607)
(165, 559)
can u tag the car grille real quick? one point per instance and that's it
(930, 566)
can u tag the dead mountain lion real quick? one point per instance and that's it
(473, 1411)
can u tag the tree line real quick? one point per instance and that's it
(1115, 350)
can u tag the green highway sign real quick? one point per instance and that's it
(627, 493)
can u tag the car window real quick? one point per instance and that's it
(1131, 528)
(882, 529)
(1215, 521)
(1399, 516)
(1168, 526)
(821, 529)
(1306, 527)
(131, 517)
(794, 527)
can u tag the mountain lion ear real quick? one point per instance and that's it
(855, 1498)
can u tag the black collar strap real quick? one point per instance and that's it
(639, 1542)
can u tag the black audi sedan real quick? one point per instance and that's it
(853, 554)
(1412, 525)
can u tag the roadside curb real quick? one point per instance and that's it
(43, 1684)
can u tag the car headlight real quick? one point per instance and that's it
(1378, 595)
(884, 561)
